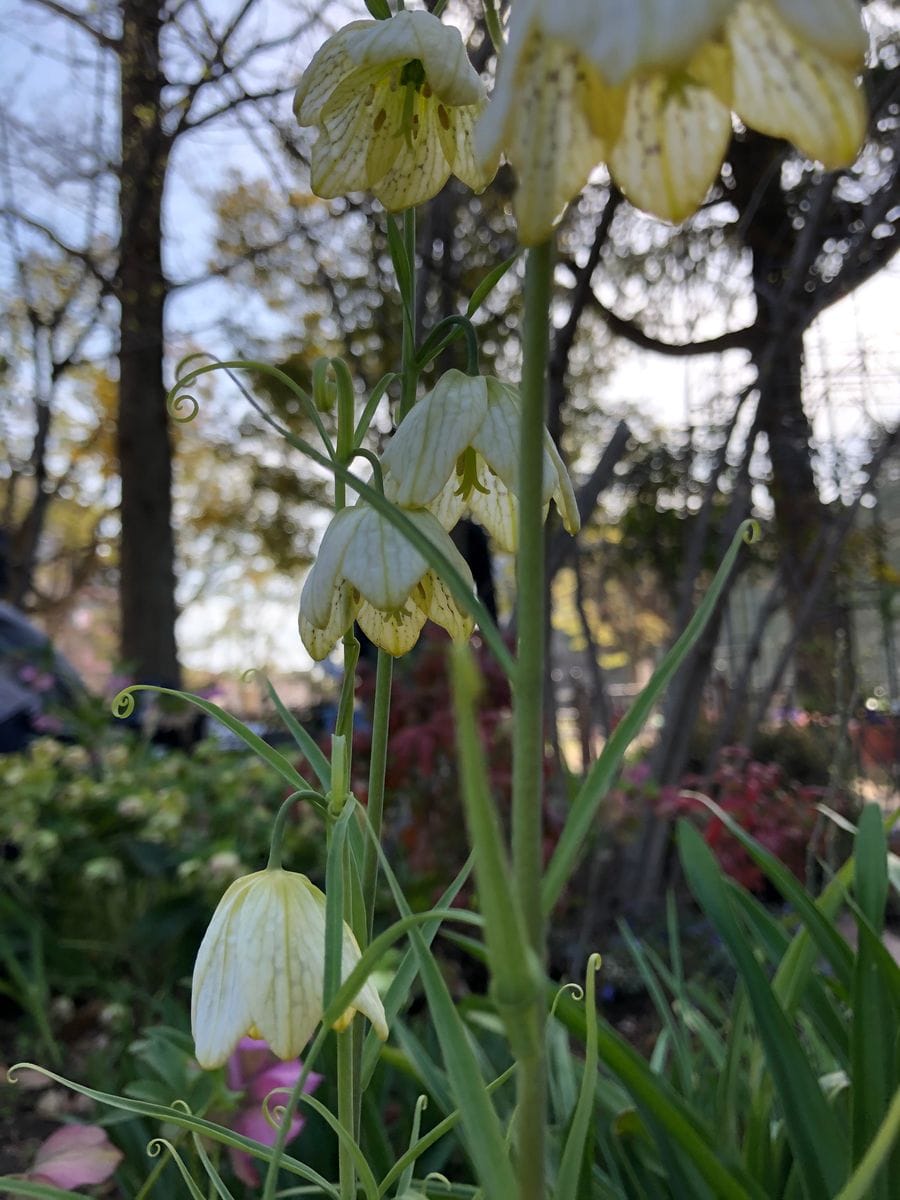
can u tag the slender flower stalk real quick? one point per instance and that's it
(528, 710)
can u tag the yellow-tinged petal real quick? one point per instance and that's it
(497, 510)
(396, 631)
(380, 563)
(563, 492)
(261, 966)
(419, 35)
(319, 641)
(422, 454)
(420, 168)
(384, 96)
(350, 137)
(833, 26)
(444, 611)
(788, 88)
(497, 439)
(542, 124)
(448, 505)
(385, 105)
(317, 600)
(671, 146)
(377, 578)
(456, 130)
(623, 39)
(329, 65)
(221, 1011)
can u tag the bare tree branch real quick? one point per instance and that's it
(80, 19)
(83, 256)
(230, 105)
(735, 339)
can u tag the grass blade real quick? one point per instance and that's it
(874, 1015)
(573, 1152)
(819, 1144)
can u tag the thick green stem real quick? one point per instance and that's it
(377, 765)
(528, 728)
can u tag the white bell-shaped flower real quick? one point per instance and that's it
(395, 103)
(261, 966)
(650, 87)
(457, 451)
(367, 571)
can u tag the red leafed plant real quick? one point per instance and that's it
(777, 810)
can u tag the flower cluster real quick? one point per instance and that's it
(455, 452)
(648, 88)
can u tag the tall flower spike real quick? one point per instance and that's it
(395, 103)
(457, 450)
(650, 87)
(367, 571)
(261, 966)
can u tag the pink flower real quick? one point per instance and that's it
(74, 1156)
(254, 1070)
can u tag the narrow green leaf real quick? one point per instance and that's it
(871, 879)
(814, 1002)
(215, 1178)
(818, 1142)
(602, 774)
(407, 1177)
(861, 1181)
(673, 1116)
(305, 742)
(159, 1144)
(123, 706)
(434, 1135)
(873, 1069)
(874, 1015)
(433, 1078)
(403, 268)
(514, 982)
(406, 973)
(582, 1119)
(363, 1170)
(829, 941)
(176, 1115)
(371, 407)
(487, 285)
(484, 1137)
(11, 1185)
(662, 1006)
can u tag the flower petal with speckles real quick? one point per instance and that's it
(261, 966)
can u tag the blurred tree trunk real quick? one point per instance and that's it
(783, 251)
(147, 557)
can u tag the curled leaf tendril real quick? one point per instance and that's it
(123, 704)
(575, 990)
(751, 531)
